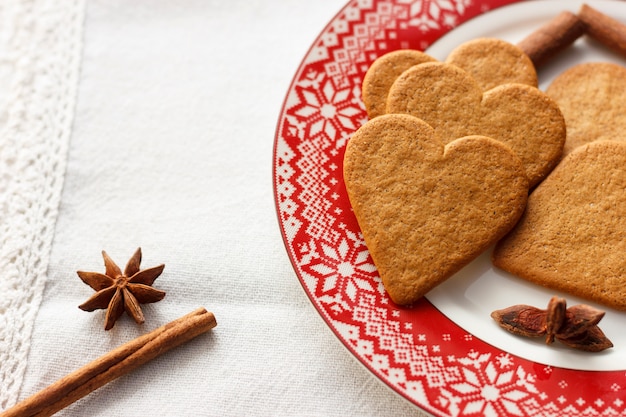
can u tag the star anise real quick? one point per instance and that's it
(576, 326)
(119, 292)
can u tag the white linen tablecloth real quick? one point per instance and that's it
(132, 124)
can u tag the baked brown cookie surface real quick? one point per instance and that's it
(572, 236)
(383, 72)
(592, 98)
(427, 209)
(451, 101)
(493, 62)
(490, 61)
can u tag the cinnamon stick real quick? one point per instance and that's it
(553, 37)
(113, 364)
(604, 29)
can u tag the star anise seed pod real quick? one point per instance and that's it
(576, 326)
(119, 292)
(523, 320)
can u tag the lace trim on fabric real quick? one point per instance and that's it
(40, 52)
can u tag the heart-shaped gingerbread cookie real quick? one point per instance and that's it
(450, 100)
(490, 61)
(383, 72)
(493, 62)
(427, 209)
(592, 98)
(572, 236)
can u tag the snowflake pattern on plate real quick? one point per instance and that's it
(417, 351)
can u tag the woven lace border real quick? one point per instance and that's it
(41, 52)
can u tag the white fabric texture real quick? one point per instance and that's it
(171, 151)
(40, 47)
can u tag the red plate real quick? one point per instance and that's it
(419, 352)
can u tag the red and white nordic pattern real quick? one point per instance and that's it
(418, 352)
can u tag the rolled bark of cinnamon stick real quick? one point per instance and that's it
(553, 37)
(604, 29)
(112, 365)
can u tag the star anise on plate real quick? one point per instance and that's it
(119, 292)
(576, 326)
